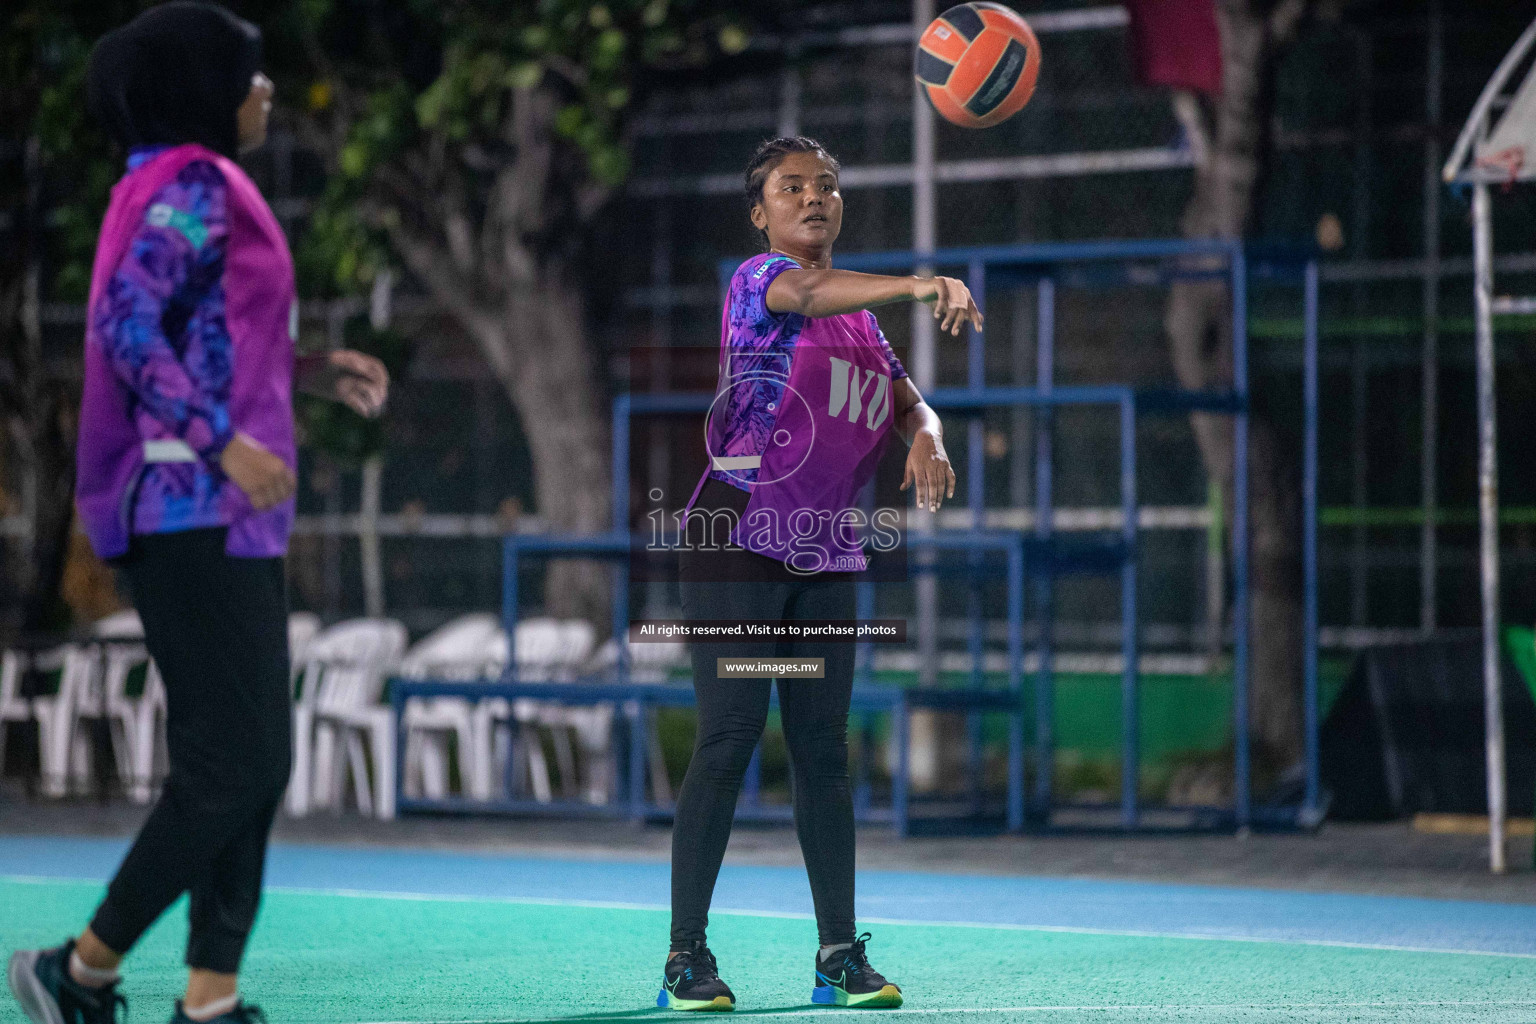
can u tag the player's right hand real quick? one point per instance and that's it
(952, 303)
(266, 479)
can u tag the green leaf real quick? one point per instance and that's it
(609, 165)
(487, 71)
(610, 43)
(354, 159)
(655, 13)
(525, 75)
(568, 122)
(734, 39)
(430, 104)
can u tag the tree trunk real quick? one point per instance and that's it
(504, 267)
(1198, 324)
(556, 389)
(537, 347)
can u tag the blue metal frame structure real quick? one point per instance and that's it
(1044, 555)
(1098, 264)
(637, 698)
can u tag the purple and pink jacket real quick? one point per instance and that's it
(188, 340)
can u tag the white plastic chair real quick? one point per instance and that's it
(303, 627)
(104, 664)
(56, 712)
(470, 648)
(648, 663)
(548, 650)
(123, 625)
(591, 726)
(348, 709)
(89, 705)
(338, 699)
(136, 721)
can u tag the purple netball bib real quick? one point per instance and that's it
(261, 317)
(832, 424)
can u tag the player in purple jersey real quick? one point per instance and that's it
(801, 357)
(759, 340)
(184, 483)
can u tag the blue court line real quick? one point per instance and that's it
(1147, 907)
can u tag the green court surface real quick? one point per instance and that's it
(321, 956)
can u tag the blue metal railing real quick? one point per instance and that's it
(1046, 267)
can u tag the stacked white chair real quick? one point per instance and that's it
(471, 648)
(57, 713)
(90, 707)
(590, 726)
(303, 627)
(136, 721)
(548, 650)
(339, 689)
(648, 663)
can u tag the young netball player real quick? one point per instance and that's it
(185, 482)
(810, 393)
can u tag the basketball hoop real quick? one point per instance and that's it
(1491, 149)
(1501, 129)
(1509, 161)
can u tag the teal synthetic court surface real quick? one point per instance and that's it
(373, 935)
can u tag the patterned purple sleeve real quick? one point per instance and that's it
(750, 316)
(162, 315)
(897, 370)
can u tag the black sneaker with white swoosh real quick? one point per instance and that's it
(692, 982)
(846, 979)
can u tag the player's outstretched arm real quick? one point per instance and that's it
(831, 292)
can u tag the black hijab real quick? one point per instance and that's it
(175, 74)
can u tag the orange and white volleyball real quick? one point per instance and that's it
(978, 62)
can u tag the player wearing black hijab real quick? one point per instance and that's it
(175, 74)
(187, 431)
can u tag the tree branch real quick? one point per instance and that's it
(425, 260)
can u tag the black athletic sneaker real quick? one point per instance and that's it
(846, 979)
(243, 1013)
(41, 983)
(692, 982)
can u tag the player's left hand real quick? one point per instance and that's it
(356, 379)
(953, 305)
(928, 469)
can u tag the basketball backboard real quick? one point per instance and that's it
(1500, 135)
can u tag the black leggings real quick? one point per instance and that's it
(731, 717)
(217, 628)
